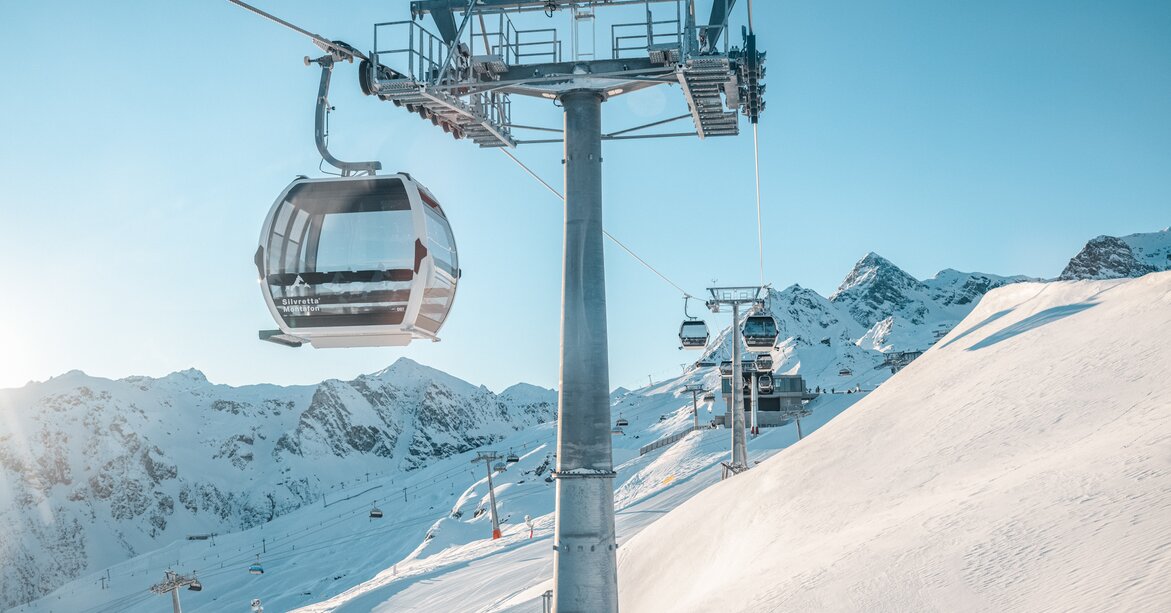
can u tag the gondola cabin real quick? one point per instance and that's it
(693, 334)
(195, 586)
(764, 362)
(363, 261)
(764, 383)
(760, 331)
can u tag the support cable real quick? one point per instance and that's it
(334, 47)
(756, 163)
(759, 225)
(604, 231)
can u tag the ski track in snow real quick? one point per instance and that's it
(335, 558)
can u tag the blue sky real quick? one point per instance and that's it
(144, 143)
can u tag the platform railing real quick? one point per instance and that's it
(635, 39)
(420, 60)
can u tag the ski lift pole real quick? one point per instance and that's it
(695, 390)
(172, 582)
(585, 575)
(487, 459)
(755, 401)
(734, 418)
(739, 444)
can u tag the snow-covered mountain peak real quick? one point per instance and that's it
(527, 392)
(67, 377)
(402, 368)
(189, 375)
(874, 270)
(407, 373)
(876, 289)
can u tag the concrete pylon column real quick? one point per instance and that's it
(585, 576)
(755, 402)
(739, 444)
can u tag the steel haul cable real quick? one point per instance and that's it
(604, 231)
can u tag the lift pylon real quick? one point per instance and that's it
(736, 297)
(488, 458)
(444, 79)
(171, 583)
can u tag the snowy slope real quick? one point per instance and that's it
(1022, 464)
(94, 471)
(430, 551)
(337, 435)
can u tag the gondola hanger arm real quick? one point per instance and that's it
(347, 168)
(337, 51)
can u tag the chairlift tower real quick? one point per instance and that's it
(736, 297)
(695, 389)
(461, 79)
(488, 458)
(754, 393)
(171, 583)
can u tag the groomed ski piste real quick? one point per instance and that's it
(431, 550)
(1022, 464)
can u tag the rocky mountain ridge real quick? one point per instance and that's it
(1111, 257)
(879, 308)
(94, 471)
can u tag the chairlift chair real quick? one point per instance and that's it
(622, 422)
(256, 568)
(760, 330)
(616, 431)
(709, 397)
(195, 585)
(512, 458)
(359, 261)
(375, 512)
(500, 467)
